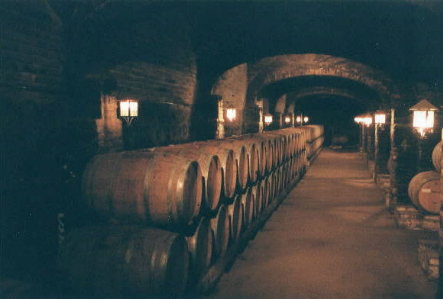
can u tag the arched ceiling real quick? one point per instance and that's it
(278, 68)
(402, 38)
(325, 92)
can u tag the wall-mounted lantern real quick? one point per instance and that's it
(301, 120)
(367, 120)
(231, 114)
(128, 110)
(380, 118)
(287, 120)
(423, 117)
(268, 119)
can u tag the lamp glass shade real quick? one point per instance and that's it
(367, 120)
(287, 119)
(305, 119)
(128, 108)
(423, 119)
(268, 119)
(298, 119)
(231, 114)
(380, 118)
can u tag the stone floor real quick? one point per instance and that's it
(331, 238)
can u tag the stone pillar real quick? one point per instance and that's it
(220, 130)
(253, 119)
(370, 147)
(292, 122)
(109, 126)
(363, 138)
(277, 122)
(376, 151)
(391, 201)
(440, 279)
(260, 117)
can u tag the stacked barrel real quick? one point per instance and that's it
(171, 212)
(315, 139)
(424, 188)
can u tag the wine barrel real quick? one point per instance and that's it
(247, 201)
(240, 156)
(153, 188)
(424, 191)
(253, 154)
(235, 218)
(276, 141)
(269, 188)
(211, 171)
(256, 192)
(228, 163)
(281, 138)
(200, 249)
(265, 160)
(275, 183)
(437, 156)
(125, 261)
(264, 195)
(220, 229)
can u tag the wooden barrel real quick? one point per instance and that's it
(153, 188)
(253, 154)
(281, 139)
(211, 171)
(424, 191)
(220, 229)
(247, 201)
(263, 152)
(291, 171)
(254, 160)
(235, 218)
(285, 175)
(125, 261)
(272, 182)
(227, 160)
(437, 156)
(264, 195)
(267, 196)
(240, 156)
(200, 249)
(265, 160)
(275, 140)
(279, 185)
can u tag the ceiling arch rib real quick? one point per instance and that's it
(273, 69)
(295, 97)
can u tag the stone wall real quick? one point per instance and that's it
(62, 73)
(232, 87)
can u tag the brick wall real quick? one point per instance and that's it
(150, 60)
(31, 88)
(232, 88)
(59, 82)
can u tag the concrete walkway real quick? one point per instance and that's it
(331, 238)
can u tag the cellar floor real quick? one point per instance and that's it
(331, 237)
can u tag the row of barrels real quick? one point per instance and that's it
(437, 156)
(173, 186)
(424, 188)
(315, 139)
(178, 210)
